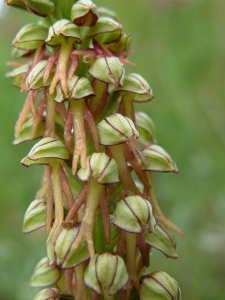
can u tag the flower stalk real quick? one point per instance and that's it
(97, 199)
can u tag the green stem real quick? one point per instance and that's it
(126, 180)
(131, 257)
(58, 200)
(81, 290)
(80, 147)
(94, 197)
(61, 69)
(157, 209)
(50, 115)
(126, 106)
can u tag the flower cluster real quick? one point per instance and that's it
(97, 200)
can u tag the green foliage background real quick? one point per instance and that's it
(179, 48)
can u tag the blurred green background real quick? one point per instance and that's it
(179, 48)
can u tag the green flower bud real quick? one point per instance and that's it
(116, 129)
(78, 88)
(84, 13)
(108, 69)
(134, 214)
(106, 274)
(136, 84)
(26, 130)
(39, 7)
(44, 275)
(64, 255)
(162, 239)
(18, 53)
(30, 37)
(47, 294)
(159, 286)
(106, 30)
(53, 294)
(15, 3)
(18, 74)
(106, 12)
(63, 28)
(100, 166)
(121, 44)
(145, 126)
(45, 150)
(35, 78)
(35, 216)
(158, 160)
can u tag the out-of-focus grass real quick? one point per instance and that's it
(179, 49)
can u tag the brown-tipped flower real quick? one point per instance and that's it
(134, 214)
(106, 274)
(84, 13)
(159, 286)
